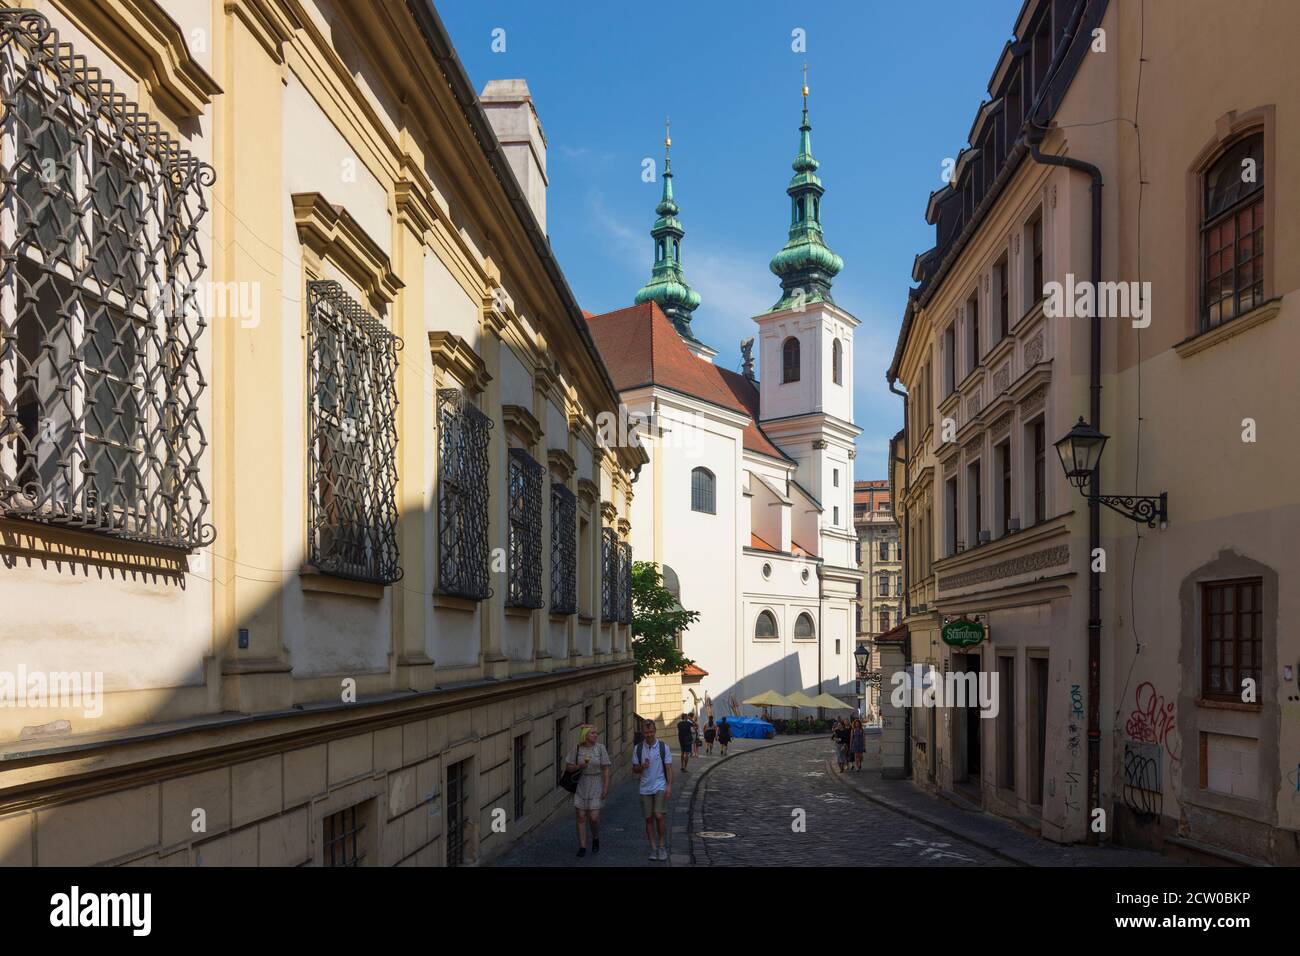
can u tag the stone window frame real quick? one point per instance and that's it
(1229, 129)
(1197, 716)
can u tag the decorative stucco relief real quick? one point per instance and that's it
(1034, 351)
(1010, 568)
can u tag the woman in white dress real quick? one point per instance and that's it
(593, 785)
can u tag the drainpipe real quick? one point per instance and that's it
(1094, 509)
(907, 554)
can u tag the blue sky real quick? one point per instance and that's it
(895, 87)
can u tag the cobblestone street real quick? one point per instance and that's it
(755, 797)
(744, 815)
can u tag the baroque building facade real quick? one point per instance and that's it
(746, 500)
(1145, 669)
(311, 554)
(880, 560)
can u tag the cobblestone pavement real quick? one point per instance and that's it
(623, 842)
(747, 811)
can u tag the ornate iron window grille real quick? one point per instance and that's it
(462, 497)
(625, 583)
(99, 308)
(524, 587)
(608, 575)
(351, 438)
(564, 550)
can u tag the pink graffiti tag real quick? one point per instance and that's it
(1152, 721)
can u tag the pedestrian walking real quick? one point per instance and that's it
(858, 744)
(652, 761)
(591, 758)
(710, 732)
(685, 739)
(841, 737)
(724, 736)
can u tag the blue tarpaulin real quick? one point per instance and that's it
(754, 727)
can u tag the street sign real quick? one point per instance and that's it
(962, 633)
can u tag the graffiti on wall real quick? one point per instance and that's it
(1143, 777)
(1153, 721)
(1074, 738)
(1076, 718)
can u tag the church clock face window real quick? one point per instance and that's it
(790, 360)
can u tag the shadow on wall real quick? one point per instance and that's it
(360, 765)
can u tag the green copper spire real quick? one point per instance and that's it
(667, 284)
(805, 265)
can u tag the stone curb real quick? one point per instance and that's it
(930, 820)
(695, 842)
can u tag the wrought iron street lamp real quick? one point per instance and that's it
(862, 655)
(1080, 453)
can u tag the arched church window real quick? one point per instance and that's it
(803, 626)
(703, 491)
(790, 360)
(659, 251)
(837, 362)
(765, 626)
(798, 210)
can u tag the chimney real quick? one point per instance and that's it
(509, 108)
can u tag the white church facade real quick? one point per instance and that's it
(747, 500)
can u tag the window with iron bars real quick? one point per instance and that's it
(462, 497)
(342, 844)
(625, 583)
(351, 438)
(609, 606)
(456, 802)
(99, 313)
(564, 555)
(525, 567)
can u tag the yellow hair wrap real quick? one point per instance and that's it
(583, 731)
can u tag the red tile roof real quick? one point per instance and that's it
(690, 670)
(641, 347)
(747, 393)
(756, 542)
(797, 548)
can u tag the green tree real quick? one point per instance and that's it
(657, 617)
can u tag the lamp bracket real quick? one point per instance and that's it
(1152, 510)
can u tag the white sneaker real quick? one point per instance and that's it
(654, 854)
(663, 853)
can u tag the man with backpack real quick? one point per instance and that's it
(652, 761)
(685, 739)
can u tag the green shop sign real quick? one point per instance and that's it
(962, 633)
